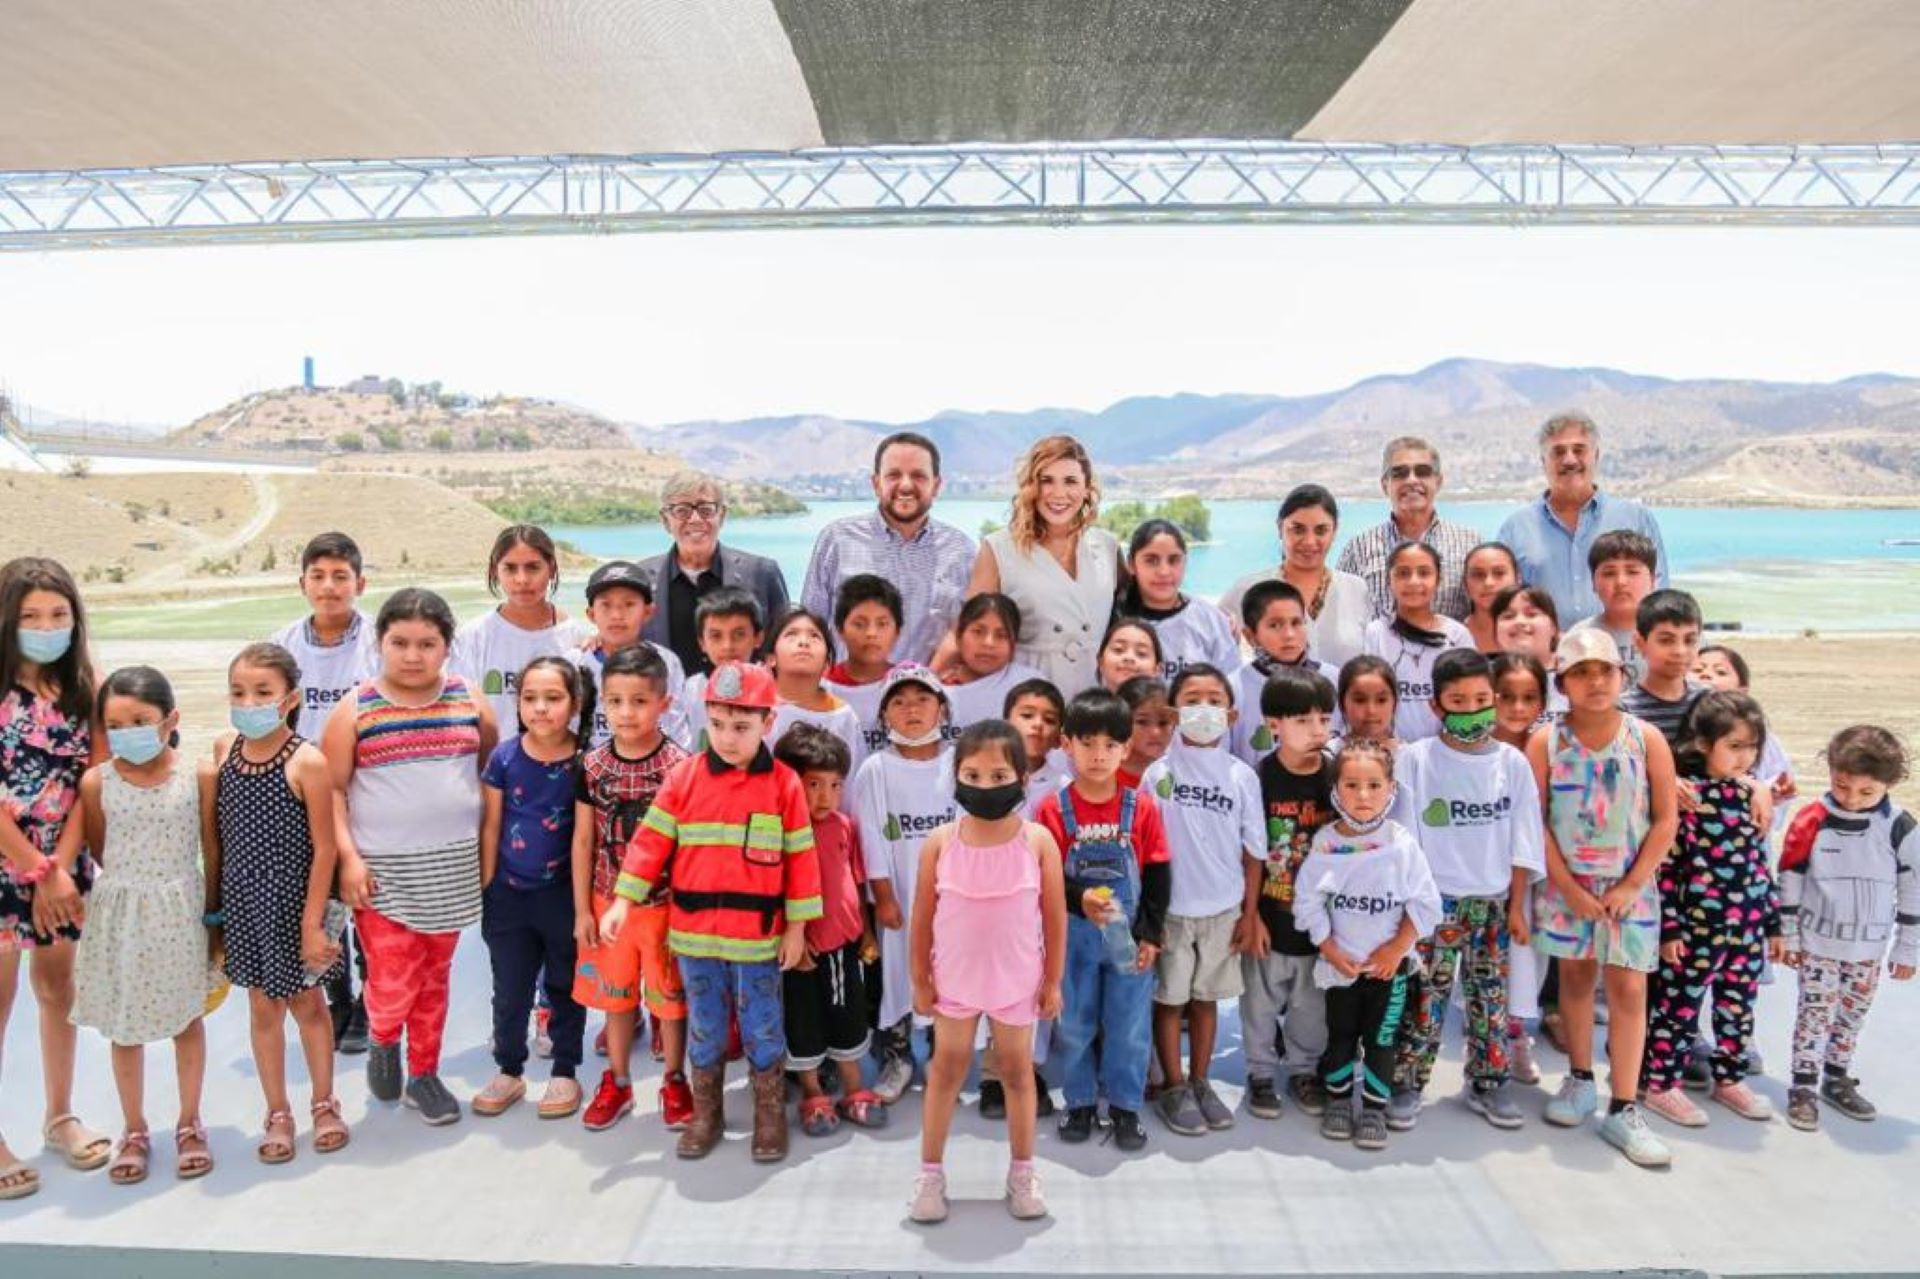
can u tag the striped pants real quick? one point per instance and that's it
(1363, 1025)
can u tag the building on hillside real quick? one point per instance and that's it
(367, 384)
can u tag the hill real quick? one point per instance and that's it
(1711, 440)
(397, 420)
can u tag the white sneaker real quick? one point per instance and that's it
(1024, 1200)
(1574, 1104)
(1628, 1130)
(930, 1198)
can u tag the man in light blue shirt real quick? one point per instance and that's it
(1551, 537)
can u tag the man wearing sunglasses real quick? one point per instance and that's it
(1410, 477)
(693, 508)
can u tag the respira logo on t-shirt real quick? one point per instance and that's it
(1210, 798)
(1357, 904)
(1440, 813)
(1262, 739)
(1416, 691)
(500, 683)
(909, 825)
(318, 698)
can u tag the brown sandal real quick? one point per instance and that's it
(277, 1148)
(129, 1166)
(189, 1164)
(330, 1131)
(82, 1147)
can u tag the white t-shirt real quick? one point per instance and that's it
(986, 697)
(837, 719)
(1475, 814)
(865, 701)
(1210, 803)
(329, 672)
(693, 712)
(1356, 889)
(1251, 739)
(1055, 771)
(491, 652)
(897, 803)
(1412, 665)
(673, 723)
(1198, 633)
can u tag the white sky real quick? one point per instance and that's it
(897, 324)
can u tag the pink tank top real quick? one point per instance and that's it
(987, 951)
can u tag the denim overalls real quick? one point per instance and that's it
(1098, 999)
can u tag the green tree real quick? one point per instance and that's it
(440, 438)
(349, 441)
(1186, 512)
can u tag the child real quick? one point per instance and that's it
(1156, 568)
(1849, 883)
(526, 884)
(1154, 720)
(732, 825)
(1721, 667)
(1365, 896)
(1607, 794)
(1276, 954)
(1519, 698)
(1036, 710)
(47, 739)
(334, 649)
(1521, 692)
(983, 670)
(405, 754)
(619, 603)
(1117, 876)
(1526, 620)
(1276, 624)
(867, 617)
(797, 652)
(1369, 700)
(1211, 806)
(1470, 803)
(1413, 636)
(900, 796)
(1719, 916)
(730, 628)
(273, 831)
(1624, 565)
(1129, 649)
(824, 997)
(618, 781)
(141, 972)
(1667, 638)
(489, 652)
(1491, 570)
(989, 940)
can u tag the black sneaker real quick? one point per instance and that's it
(1042, 1096)
(1128, 1133)
(1697, 1073)
(1077, 1124)
(993, 1099)
(1803, 1109)
(1843, 1094)
(384, 1076)
(1308, 1093)
(1263, 1101)
(426, 1094)
(353, 1039)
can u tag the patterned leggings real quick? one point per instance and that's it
(1731, 966)
(1834, 997)
(1472, 938)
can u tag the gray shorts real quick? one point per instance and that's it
(1197, 959)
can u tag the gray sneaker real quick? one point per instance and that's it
(1336, 1124)
(426, 1094)
(1574, 1104)
(895, 1077)
(1495, 1105)
(384, 1077)
(1370, 1129)
(1212, 1109)
(1403, 1111)
(1180, 1111)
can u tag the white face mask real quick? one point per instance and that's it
(1203, 725)
(927, 738)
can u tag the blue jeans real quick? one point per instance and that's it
(718, 987)
(1117, 1006)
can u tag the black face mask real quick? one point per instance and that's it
(989, 803)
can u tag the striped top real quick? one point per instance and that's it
(414, 805)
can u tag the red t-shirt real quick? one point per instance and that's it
(843, 876)
(1102, 821)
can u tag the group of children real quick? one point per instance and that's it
(803, 854)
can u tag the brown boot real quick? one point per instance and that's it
(702, 1132)
(769, 1116)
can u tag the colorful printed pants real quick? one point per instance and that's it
(1834, 997)
(1363, 1020)
(1471, 939)
(1717, 968)
(406, 990)
(719, 989)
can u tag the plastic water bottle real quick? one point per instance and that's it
(1123, 954)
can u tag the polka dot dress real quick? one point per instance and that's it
(266, 856)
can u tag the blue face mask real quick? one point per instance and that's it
(257, 722)
(42, 647)
(140, 744)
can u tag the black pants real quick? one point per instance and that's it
(529, 936)
(1363, 1023)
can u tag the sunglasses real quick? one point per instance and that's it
(1418, 471)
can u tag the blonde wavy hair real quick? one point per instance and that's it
(1024, 523)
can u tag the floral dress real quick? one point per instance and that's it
(42, 754)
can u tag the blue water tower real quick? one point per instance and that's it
(307, 381)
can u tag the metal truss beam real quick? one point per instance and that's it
(1059, 184)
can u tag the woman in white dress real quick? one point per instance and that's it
(1337, 607)
(1056, 564)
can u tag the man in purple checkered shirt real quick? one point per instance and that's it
(1410, 477)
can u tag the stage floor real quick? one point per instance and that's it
(1268, 1197)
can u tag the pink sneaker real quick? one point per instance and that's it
(1674, 1106)
(929, 1198)
(1743, 1101)
(1024, 1200)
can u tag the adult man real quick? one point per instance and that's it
(693, 508)
(901, 541)
(1551, 537)
(1410, 477)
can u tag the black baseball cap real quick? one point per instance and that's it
(619, 573)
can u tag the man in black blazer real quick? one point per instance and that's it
(693, 508)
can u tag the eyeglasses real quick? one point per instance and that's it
(681, 512)
(1418, 471)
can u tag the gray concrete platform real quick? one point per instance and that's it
(1266, 1197)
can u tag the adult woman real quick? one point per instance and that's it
(1337, 607)
(1055, 563)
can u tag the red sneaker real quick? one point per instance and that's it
(611, 1101)
(676, 1102)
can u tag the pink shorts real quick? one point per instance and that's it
(1021, 1012)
